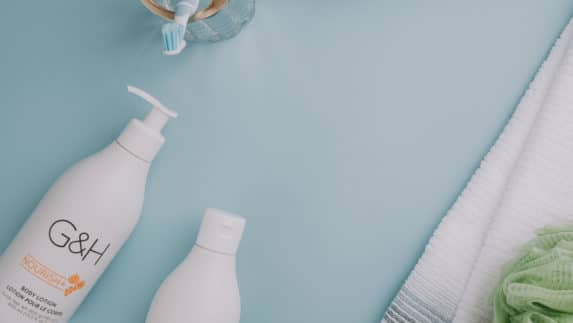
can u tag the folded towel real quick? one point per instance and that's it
(539, 193)
(436, 285)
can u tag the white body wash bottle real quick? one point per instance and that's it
(79, 226)
(204, 288)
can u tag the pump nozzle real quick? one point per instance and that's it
(143, 139)
(156, 118)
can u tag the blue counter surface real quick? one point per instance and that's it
(341, 130)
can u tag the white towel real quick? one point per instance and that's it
(539, 193)
(436, 285)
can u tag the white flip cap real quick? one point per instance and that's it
(221, 231)
(143, 138)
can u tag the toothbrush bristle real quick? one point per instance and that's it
(173, 38)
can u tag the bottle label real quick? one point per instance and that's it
(45, 280)
(32, 303)
(64, 234)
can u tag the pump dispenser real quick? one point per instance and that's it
(80, 225)
(143, 138)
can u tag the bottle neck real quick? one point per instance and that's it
(206, 249)
(202, 254)
(120, 157)
(140, 140)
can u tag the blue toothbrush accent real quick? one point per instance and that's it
(173, 38)
(174, 32)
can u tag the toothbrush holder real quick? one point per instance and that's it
(165, 13)
(218, 20)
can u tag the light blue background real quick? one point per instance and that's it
(342, 130)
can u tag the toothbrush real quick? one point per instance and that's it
(174, 32)
(173, 38)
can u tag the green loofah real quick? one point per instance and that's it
(538, 287)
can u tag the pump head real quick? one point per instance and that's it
(143, 138)
(156, 118)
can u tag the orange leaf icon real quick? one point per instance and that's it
(74, 279)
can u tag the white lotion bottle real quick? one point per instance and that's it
(79, 226)
(204, 288)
